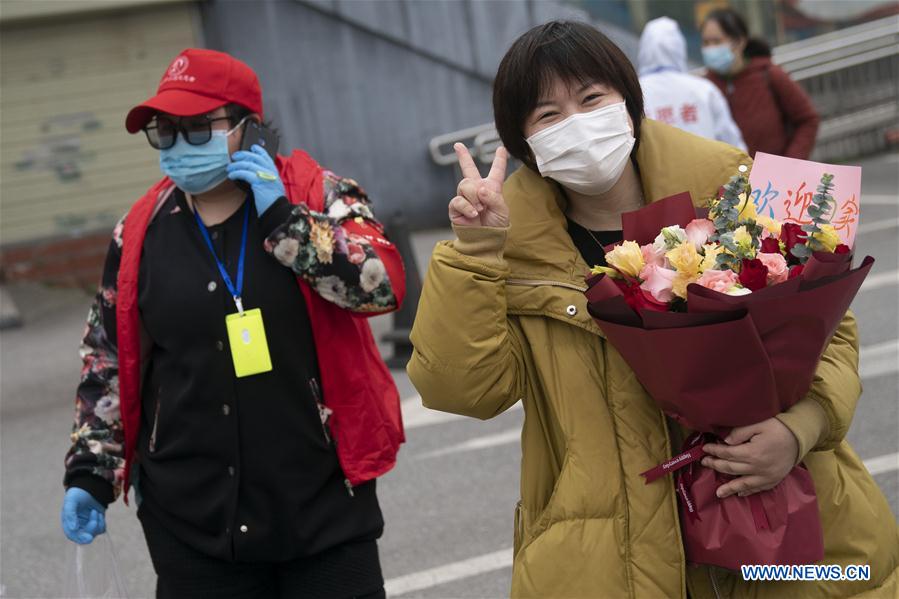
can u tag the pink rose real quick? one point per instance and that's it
(658, 281)
(652, 256)
(719, 280)
(355, 253)
(699, 230)
(777, 267)
(117, 233)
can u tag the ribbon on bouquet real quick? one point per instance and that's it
(693, 454)
(685, 469)
(683, 480)
(758, 512)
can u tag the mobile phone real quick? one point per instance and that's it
(258, 134)
(255, 133)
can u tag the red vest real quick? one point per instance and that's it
(356, 384)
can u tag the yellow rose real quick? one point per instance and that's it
(770, 225)
(627, 258)
(605, 270)
(322, 238)
(711, 251)
(742, 238)
(685, 259)
(747, 209)
(681, 281)
(828, 237)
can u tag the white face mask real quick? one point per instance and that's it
(587, 152)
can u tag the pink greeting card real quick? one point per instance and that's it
(782, 188)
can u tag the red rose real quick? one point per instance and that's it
(638, 299)
(841, 249)
(792, 234)
(754, 275)
(795, 271)
(770, 245)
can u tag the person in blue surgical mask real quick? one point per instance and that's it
(774, 114)
(673, 95)
(217, 356)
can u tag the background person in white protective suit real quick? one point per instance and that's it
(674, 96)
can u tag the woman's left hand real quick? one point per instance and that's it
(759, 455)
(258, 169)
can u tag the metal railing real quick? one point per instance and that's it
(852, 75)
(839, 50)
(482, 141)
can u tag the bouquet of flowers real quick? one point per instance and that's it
(768, 296)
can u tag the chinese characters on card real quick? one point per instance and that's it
(782, 188)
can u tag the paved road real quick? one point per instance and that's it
(449, 502)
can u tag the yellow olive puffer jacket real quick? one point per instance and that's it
(502, 319)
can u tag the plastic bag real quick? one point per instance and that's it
(93, 571)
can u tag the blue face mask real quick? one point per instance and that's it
(197, 169)
(718, 58)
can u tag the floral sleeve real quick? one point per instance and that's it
(95, 461)
(342, 252)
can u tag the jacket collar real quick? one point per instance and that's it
(547, 272)
(754, 65)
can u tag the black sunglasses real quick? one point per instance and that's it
(162, 132)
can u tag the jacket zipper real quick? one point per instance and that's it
(519, 526)
(155, 426)
(582, 289)
(714, 582)
(324, 414)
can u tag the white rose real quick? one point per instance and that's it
(339, 210)
(333, 289)
(107, 408)
(286, 251)
(373, 273)
(669, 238)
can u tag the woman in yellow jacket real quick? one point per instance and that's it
(503, 319)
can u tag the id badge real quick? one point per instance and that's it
(249, 349)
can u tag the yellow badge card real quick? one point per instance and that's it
(246, 333)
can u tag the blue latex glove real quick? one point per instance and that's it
(258, 169)
(83, 517)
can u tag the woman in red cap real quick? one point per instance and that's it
(227, 372)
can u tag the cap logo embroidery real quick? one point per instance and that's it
(179, 65)
(177, 69)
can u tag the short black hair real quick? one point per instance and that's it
(576, 52)
(236, 113)
(734, 26)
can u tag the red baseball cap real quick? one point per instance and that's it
(199, 81)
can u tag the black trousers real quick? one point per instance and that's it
(350, 571)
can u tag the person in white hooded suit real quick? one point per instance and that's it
(674, 96)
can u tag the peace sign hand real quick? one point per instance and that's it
(479, 201)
